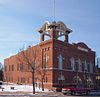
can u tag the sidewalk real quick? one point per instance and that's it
(40, 94)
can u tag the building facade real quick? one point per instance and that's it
(64, 63)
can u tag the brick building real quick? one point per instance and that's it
(64, 62)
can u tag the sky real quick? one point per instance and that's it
(21, 19)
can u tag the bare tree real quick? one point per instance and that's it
(42, 73)
(34, 58)
(30, 58)
(42, 69)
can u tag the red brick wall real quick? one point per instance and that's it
(52, 48)
(68, 51)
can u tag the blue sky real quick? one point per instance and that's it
(21, 19)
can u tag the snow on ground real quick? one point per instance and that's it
(19, 88)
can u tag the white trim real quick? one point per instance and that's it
(82, 49)
(67, 70)
(44, 82)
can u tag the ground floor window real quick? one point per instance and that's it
(77, 79)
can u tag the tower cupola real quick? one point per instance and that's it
(54, 30)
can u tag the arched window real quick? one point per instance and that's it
(60, 62)
(80, 65)
(72, 60)
(85, 66)
(91, 67)
(89, 81)
(61, 77)
(46, 36)
(77, 79)
(45, 61)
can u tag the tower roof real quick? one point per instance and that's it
(59, 26)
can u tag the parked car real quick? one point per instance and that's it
(76, 88)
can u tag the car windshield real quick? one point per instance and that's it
(75, 86)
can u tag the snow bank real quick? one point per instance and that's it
(19, 88)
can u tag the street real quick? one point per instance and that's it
(48, 94)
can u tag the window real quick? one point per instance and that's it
(9, 78)
(72, 60)
(18, 79)
(5, 68)
(77, 79)
(76, 65)
(85, 66)
(48, 48)
(80, 65)
(60, 62)
(29, 67)
(23, 80)
(46, 79)
(91, 67)
(27, 80)
(12, 78)
(9, 67)
(88, 65)
(61, 78)
(21, 67)
(18, 67)
(45, 61)
(12, 67)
